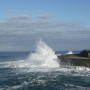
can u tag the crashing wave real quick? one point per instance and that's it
(70, 52)
(43, 56)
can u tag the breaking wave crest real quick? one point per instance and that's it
(42, 70)
(43, 56)
(70, 52)
(43, 59)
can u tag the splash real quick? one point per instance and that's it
(43, 56)
(70, 52)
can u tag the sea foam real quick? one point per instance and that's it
(43, 56)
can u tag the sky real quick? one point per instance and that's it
(62, 24)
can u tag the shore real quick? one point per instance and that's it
(74, 60)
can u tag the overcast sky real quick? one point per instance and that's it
(62, 24)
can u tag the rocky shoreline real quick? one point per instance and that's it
(80, 59)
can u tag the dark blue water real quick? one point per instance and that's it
(14, 78)
(5, 56)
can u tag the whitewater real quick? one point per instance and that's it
(41, 70)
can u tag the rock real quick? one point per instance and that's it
(81, 59)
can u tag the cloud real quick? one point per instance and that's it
(19, 19)
(23, 31)
(25, 25)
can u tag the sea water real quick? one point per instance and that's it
(40, 70)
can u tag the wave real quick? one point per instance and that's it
(43, 56)
(70, 52)
(43, 59)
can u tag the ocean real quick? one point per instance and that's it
(40, 70)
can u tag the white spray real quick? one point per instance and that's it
(43, 56)
(70, 52)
